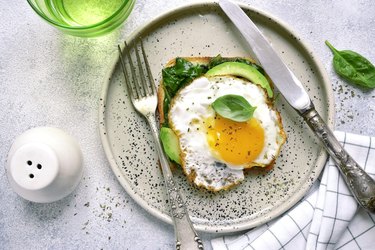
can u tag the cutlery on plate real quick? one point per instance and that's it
(359, 182)
(142, 92)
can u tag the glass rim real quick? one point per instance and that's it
(83, 27)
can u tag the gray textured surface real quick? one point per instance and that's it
(48, 78)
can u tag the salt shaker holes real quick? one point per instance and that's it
(38, 166)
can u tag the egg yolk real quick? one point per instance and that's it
(235, 143)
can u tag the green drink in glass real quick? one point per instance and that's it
(85, 18)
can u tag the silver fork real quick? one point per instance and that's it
(142, 92)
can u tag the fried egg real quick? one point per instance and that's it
(216, 150)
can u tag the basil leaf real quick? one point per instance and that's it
(233, 107)
(353, 67)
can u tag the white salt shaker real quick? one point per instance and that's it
(44, 164)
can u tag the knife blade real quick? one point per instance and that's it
(285, 81)
(359, 182)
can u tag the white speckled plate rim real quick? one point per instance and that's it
(321, 158)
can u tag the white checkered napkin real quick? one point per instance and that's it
(328, 217)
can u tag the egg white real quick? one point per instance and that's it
(192, 106)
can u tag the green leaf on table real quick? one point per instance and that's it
(353, 67)
(233, 107)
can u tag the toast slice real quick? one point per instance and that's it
(227, 177)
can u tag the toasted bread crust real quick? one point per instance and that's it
(191, 177)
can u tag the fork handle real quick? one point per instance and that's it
(359, 182)
(186, 236)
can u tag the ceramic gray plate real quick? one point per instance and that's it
(203, 30)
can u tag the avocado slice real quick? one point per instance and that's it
(242, 70)
(171, 144)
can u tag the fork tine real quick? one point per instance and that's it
(126, 74)
(149, 75)
(142, 75)
(133, 73)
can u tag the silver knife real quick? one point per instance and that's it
(359, 182)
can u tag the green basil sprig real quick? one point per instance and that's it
(233, 107)
(353, 67)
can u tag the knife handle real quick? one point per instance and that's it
(359, 182)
